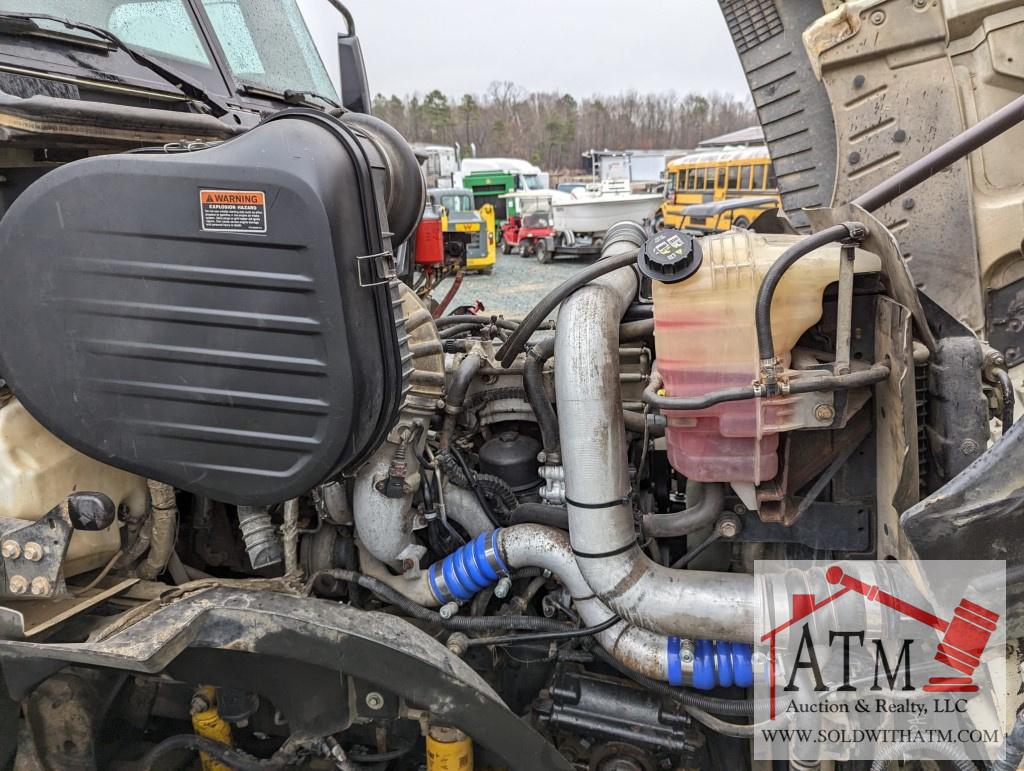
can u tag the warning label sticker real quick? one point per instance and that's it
(233, 211)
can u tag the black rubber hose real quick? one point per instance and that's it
(482, 321)
(222, 753)
(540, 514)
(890, 753)
(568, 634)
(688, 698)
(676, 523)
(470, 478)
(457, 623)
(461, 381)
(536, 394)
(381, 757)
(515, 344)
(1006, 392)
(637, 423)
(874, 374)
(763, 306)
(544, 411)
(456, 395)
(652, 397)
(458, 329)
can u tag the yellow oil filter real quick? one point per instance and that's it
(207, 722)
(448, 749)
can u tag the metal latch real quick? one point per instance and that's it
(376, 269)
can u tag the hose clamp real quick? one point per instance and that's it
(856, 232)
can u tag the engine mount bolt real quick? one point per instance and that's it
(503, 587)
(825, 413)
(18, 585)
(10, 550)
(374, 700)
(449, 609)
(729, 526)
(33, 551)
(40, 586)
(458, 644)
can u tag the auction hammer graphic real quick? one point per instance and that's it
(963, 638)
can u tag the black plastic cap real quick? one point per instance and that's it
(90, 511)
(670, 256)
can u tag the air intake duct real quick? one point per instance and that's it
(225, 320)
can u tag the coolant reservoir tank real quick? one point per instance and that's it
(38, 471)
(706, 341)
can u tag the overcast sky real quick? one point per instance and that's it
(581, 47)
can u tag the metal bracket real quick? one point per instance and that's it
(376, 269)
(33, 554)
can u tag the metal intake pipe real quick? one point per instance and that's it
(548, 548)
(687, 603)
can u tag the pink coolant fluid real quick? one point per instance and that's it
(706, 341)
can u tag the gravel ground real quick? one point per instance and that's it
(515, 286)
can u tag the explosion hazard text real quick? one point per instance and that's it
(233, 211)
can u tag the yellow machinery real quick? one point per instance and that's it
(458, 215)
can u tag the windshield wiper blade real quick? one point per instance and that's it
(24, 24)
(288, 96)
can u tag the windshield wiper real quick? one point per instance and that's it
(25, 24)
(288, 96)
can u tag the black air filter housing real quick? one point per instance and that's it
(214, 319)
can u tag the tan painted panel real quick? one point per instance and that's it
(37, 471)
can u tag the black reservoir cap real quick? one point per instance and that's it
(670, 256)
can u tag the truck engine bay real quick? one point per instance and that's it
(259, 506)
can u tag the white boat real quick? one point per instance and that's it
(594, 215)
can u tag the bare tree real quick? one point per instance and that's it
(554, 129)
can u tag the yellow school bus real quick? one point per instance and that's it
(742, 176)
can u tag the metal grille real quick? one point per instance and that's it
(751, 22)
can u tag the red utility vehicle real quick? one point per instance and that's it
(533, 229)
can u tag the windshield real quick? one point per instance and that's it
(457, 203)
(266, 42)
(163, 27)
(530, 182)
(536, 219)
